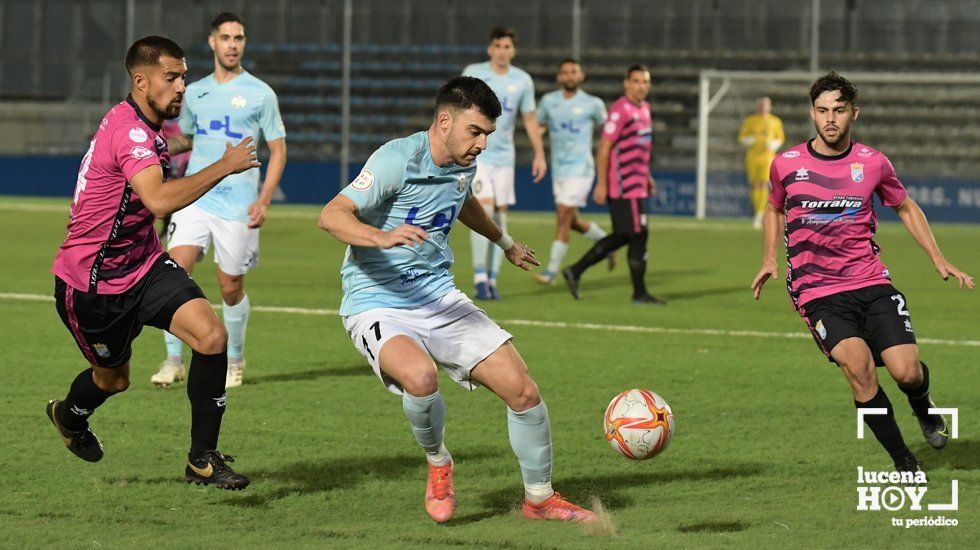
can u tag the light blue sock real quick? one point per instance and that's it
(530, 437)
(594, 232)
(557, 255)
(427, 415)
(175, 347)
(496, 254)
(478, 245)
(236, 320)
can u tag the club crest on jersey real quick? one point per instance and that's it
(101, 349)
(363, 181)
(137, 135)
(512, 88)
(857, 172)
(238, 101)
(140, 153)
(802, 174)
(577, 110)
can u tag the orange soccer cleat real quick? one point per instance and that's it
(440, 497)
(557, 508)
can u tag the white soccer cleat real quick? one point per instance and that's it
(170, 373)
(235, 370)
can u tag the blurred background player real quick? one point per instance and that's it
(401, 307)
(623, 171)
(822, 194)
(570, 114)
(112, 276)
(494, 183)
(226, 105)
(762, 135)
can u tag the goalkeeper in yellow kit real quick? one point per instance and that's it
(762, 135)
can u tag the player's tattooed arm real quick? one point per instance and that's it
(916, 223)
(180, 144)
(773, 219)
(162, 199)
(339, 218)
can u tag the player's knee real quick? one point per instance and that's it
(214, 341)
(637, 251)
(528, 398)
(112, 381)
(909, 375)
(421, 382)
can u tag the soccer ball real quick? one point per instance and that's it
(638, 424)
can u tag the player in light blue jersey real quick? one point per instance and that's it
(225, 106)
(402, 310)
(494, 183)
(570, 115)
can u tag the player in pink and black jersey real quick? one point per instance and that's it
(821, 193)
(112, 277)
(623, 169)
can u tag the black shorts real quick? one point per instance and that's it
(876, 314)
(629, 216)
(105, 325)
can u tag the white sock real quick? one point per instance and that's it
(440, 457)
(558, 251)
(538, 492)
(595, 232)
(236, 320)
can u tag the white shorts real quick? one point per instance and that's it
(572, 191)
(455, 332)
(494, 183)
(236, 245)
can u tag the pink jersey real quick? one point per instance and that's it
(111, 242)
(630, 128)
(830, 217)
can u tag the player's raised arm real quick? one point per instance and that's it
(473, 215)
(916, 223)
(339, 218)
(162, 199)
(773, 219)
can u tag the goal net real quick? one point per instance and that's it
(925, 123)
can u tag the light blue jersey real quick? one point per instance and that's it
(400, 184)
(218, 113)
(515, 91)
(570, 123)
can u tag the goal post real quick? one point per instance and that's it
(930, 103)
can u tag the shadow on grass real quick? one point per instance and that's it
(714, 527)
(580, 489)
(312, 374)
(959, 454)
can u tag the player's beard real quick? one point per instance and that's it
(843, 135)
(570, 88)
(168, 111)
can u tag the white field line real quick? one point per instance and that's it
(557, 324)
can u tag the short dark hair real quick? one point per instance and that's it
(226, 17)
(834, 82)
(503, 32)
(465, 92)
(635, 68)
(148, 51)
(568, 60)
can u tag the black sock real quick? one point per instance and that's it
(599, 251)
(884, 426)
(637, 255)
(82, 400)
(919, 396)
(206, 390)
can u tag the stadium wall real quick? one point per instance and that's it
(309, 182)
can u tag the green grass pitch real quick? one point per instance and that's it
(764, 454)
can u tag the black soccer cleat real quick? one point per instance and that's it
(908, 464)
(81, 443)
(211, 469)
(934, 428)
(572, 281)
(648, 300)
